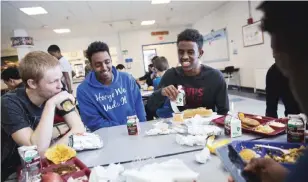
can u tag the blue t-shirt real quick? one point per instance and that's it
(156, 82)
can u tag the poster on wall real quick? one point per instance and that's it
(252, 34)
(22, 41)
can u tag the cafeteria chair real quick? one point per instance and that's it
(229, 76)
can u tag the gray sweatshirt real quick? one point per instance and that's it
(208, 89)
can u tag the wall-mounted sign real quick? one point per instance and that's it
(128, 60)
(124, 52)
(22, 42)
(160, 33)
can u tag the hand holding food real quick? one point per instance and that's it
(267, 169)
(170, 91)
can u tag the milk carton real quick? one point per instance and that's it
(133, 126)
(233, 126)
(180, 99)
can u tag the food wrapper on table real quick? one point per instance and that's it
(206, 130)
(168, 171)
(191, 140)
(160, 128)
(203, 156)
(85, 141)
(110, 173)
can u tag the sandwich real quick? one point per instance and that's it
(249, 123)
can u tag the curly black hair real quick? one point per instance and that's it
(53, 48)
(191, 35)
(10, 73)
(288, 19)
(95, 47)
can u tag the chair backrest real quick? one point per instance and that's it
(229, 69)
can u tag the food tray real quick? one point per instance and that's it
(47, 166)
(263, 121)
(239, 145)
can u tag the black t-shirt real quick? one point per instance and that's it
(18, 112)
(208, 89)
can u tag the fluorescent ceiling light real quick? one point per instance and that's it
(33, 10)
(149, 22)
(63, 30)
(160, 1)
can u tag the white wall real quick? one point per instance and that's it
(131, 41)
(233, 15)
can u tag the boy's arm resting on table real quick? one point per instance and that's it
(14, 123)
(222, 100)
(90, 116)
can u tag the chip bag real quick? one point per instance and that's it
(212, 146)
(60, 153)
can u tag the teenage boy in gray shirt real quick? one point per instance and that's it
(203, 85)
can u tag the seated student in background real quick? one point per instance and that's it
(277, 87)
(106, 97)
(120, 67)
(11, 78)
(150, 75)
(203, 85)
(160, 66)
(27, 115)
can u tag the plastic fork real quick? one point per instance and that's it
(284, 151)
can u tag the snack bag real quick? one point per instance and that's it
(85, 141)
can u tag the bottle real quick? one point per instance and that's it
(181, 98)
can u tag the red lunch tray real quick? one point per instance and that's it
(263, 121)
(47, 166)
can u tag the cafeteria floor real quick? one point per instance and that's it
(119, 147)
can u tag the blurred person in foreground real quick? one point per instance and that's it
(27, 114)
(286, 22)
(11, 78)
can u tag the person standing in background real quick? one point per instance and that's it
(277, 87)
(55, 51)
(11, 78)
(160, 66)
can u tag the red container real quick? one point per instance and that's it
(263, 121)
(48, 166)
(84, 171)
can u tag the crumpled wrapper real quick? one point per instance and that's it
(203, 156)
(168, 171)
(191, 140)
(85, 141)
(160, 128)
(109, 174)
(206, 130)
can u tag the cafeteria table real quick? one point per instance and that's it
(119, 147)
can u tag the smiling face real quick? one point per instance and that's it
(189, 53)
(102, 65)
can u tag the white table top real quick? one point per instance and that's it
(120, 147)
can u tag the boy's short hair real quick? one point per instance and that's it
(10, 73)
(191, 35)
(161, 63)
(53, 48)
(96, 47)
(34, 64)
